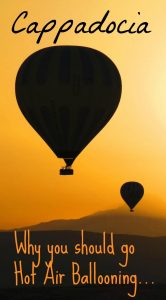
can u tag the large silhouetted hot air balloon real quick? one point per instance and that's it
(132, 192)
(68, 94)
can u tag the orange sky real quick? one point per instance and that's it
(131, 147)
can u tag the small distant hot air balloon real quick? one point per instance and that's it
(132, 192)
(68, 94)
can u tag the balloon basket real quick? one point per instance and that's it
(66, 171)
(131, 210)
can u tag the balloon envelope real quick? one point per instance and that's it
(68, 94)
(132, 192)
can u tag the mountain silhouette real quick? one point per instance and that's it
(119, 221)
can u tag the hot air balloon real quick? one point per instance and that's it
(132, 192)
(68, 94)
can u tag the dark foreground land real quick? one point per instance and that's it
(97, 293)
(148, 263)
